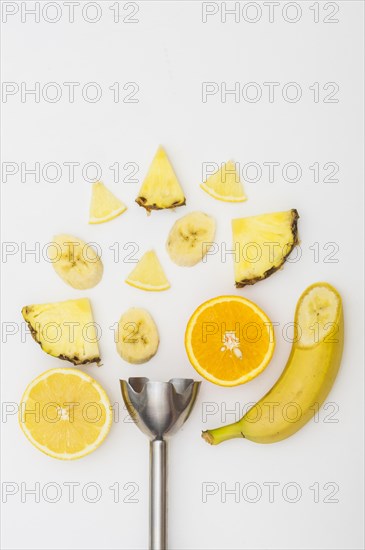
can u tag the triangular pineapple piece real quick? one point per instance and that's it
(160, 188)
(65, 330)
(225, 184)
(148, 274)
(104, 206)
(262, 244)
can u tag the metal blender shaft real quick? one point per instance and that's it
(158, 495)
(159, 409)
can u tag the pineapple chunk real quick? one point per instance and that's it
(160, 188)
(65, 330)
(262, 244)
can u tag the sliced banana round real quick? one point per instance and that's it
(190, 238)
(137, 336)
(75, 261)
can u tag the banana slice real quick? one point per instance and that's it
(75, 261)
(190, 238)
(137, 336)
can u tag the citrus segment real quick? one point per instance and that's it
(225, 184)
(148, 274)
(104, 205)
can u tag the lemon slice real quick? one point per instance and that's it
(148, 274)
(104, 205)
(225, 184)
(65, 413)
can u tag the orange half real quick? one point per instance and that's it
(229, 340)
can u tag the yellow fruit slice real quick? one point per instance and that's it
(160, 188)
(229, 340)
(65, 413)
(225, 184)
(262, 244)
(76, 262)
(148, 274)
(65, 330)
(104, 205)
(137, 336)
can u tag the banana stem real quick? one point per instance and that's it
(214, 437)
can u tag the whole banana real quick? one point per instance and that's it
(307, 378)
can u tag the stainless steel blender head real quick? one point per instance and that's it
(159, 409)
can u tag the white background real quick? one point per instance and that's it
(169, 53)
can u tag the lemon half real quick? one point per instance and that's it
(65, 413)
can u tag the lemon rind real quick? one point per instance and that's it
(94, 220)
(145, 286)
(223, 198)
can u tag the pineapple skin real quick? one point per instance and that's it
(294, 230)
(142, 201)
(28, 313)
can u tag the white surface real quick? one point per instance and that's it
(169, 53)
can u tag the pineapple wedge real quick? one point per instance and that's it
(148, 274)
(160, 188)
(65, 330)
(262, 244)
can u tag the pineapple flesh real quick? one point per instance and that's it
(160, 188)
(262, 244)
(65, 330)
